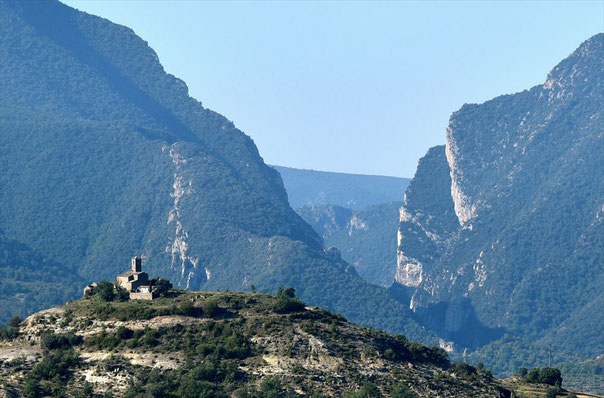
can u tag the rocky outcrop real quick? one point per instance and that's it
(242, 346)
(427, 219)
(366, 237)
(519, 188)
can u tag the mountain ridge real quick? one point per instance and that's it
(519, 198)
(354, 191)
(106, 156)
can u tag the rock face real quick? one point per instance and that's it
(502, 229)
(104, 156)
(427, 222)
(366, 238)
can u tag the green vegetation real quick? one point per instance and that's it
(248, 347)
(30, 282)
(551, 376)
(50, 376)
(97, 154)
(287, 301)
(366, 238)
(12, 331)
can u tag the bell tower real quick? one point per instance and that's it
(137, 264)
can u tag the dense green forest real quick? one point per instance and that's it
(106, 156)
(366, 238)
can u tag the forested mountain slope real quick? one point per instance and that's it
(502, 230)
(366, 238)
(104, 155)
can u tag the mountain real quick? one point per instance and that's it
(104, 156)
(366, 238)
(501, 236)
(354, 213)
(353, 191)
(28, 281)
(203, 344)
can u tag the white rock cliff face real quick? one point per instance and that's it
(464, 209)
(179, 246)
(513, 195)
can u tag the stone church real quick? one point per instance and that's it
(135, 281)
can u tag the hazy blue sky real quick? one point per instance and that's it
(361, 87)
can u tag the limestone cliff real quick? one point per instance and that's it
(516, 242)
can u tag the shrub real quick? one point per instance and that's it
(287, 301)
(522, 372)
(123, 333)
(162, 286)
(551, 376)
(463, 369)
(121, 294)
(210, 308)
(55, 365)
(60, 341)
(12, 331)
(286, 292)
(15, 322)
(271, 388)
(104, 290)
(532, 376)
(368, 390)
(400, 390)
(552, 392)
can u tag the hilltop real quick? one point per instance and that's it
(224, 344)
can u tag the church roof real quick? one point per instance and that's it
(130, 272)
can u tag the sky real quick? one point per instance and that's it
(356, 87)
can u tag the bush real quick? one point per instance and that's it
(463, 369)
(15, 322)
(12, 331)
(522, 372)
(368, 390)
(286, 292)
(55, 366)
(552, 392)
(551, 376)
(271, 388)
(162, 286)
(400, 390)
(287, 301)
(210, 308)
(123, 333)
(121, 294)
(532, 376)
(60, 341)
(104, 290)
